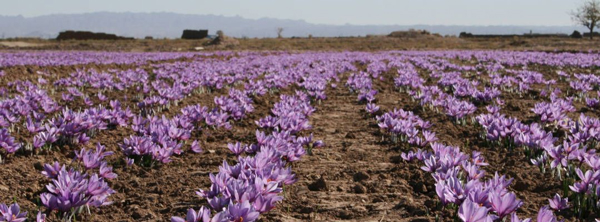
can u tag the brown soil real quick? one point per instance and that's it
(368, 43)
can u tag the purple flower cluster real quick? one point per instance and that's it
(250, 187)
(30, 100)
(289, 115)
(585, 130)
(592, 102)
(584, 83)
(409, 80)
(458, 109)
(13, 213)
(76, 127)
(479, 200)
(56, 58)
(498, 127)
(475, 197)
(95, 160)
(553, 112)
(315, 87)
(407, 126)
(237, 104)
(158, 138)
(70, 189)
(362, 84)
(407, 77)
(8, 142)
(558, 157)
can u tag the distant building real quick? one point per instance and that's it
(587, 34)
(465, 35)
(194, 34)
(85, 35)
(531, 34)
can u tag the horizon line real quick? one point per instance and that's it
(284, 19)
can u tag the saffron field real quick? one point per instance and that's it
(305, 136)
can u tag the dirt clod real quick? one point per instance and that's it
(360, 176)
(319, 185)
(350, 135)
(358, 188)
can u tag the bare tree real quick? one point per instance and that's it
(279, 31)
(588, 15)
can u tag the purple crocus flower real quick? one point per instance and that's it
(318, 144)
(515, 218)
(196, 147)
(236, 148)
(408, 156)
(478, 195)
(33, 126)
(558, 203)
(202, 215)
(51, 171)
(474, 172)
(546, 215)
(71, 190)
(242, 212)
(101, 96)
(12, 213)
(40, 217)
(8, 142)
(592, 102)
(556, 152)
(88, 101)
(431, 164)
(267, 122)
(450, 190)
(493, 109)
(218, 202)
(505, 204)
(67, 97)
(266, 203)
(129, 161)
(91, 159)
(372, 108)
(178, 134)
(252, 148)
(472, 212)
(593, 161)
(586, 180)
(106, 171)
(478, 159)
(39, 141)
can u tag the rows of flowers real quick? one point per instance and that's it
(458, 176)
(46, 111)
(251, 186)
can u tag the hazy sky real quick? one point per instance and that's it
(380, 12)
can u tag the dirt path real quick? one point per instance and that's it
(11, 44)
(355, 176)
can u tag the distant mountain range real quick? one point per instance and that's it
(171, 25)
